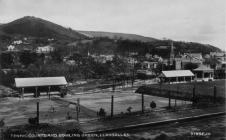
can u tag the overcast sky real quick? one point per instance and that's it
(201, 21)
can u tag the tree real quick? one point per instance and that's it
(28, 58)
(190, 66)
(102, 112)
(2, 123)
(153, 105)
(6, 60)
(119, 65)
(129, 109)
(212, 62)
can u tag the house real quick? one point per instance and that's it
(70, 62)
(192, 58)
(149, 64)
(148, 56)
(197, 56)
(220, 71)
(182, 60)
(131, 60)
(207, 56)
(50, 39)
(17, 42)
(11, 48)
(133, 53)
(45, 49)
(175, 76)
(145, 74)
(162, 47)
(220, 56)
(102, 58)
(203, 73)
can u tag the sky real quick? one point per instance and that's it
(201, 21)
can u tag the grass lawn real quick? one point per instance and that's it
(123, 98)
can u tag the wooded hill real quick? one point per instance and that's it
(101, 42)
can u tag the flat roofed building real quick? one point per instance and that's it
(176, 76)
(45, 49)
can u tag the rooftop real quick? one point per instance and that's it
(203, 68)
(176, 73)
(40, 81)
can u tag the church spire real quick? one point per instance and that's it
(171, 54)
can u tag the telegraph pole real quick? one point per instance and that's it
(214, 94)
(142, 102)
(37, 104)
(78, 109)
(169, 99)
(193, 95)
(112, 105)
(38, 112)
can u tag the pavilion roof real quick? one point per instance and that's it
(203, 68)
(40, 81)
(176, 73)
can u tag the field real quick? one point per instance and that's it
(62, 111)
(16, 111)
(57, 110)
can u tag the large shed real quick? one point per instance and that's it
(176, 76)
(39, 84)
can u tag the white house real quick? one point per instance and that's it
(221, 56)
(11, 48)
(45, 49)
(17, 42)
(102, 58)
(131, 60)
(149, 64)
(70, 62)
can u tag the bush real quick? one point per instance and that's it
(129, 109)
(33, 121)
(102, 112)
(153, 104)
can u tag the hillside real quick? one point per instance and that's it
(36, 27)
(100, 42)
(122, 36)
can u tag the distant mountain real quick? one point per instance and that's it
(122, 36)
(36, 27)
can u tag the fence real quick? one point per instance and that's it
(180, 95)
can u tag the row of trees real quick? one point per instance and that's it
(34, 65)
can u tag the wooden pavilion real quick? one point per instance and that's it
(41, 84)
(176, 76)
